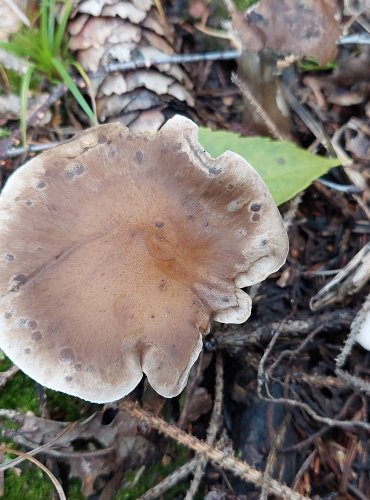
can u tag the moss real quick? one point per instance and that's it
(30, 484)
(244, 4)
(74, 490)
(4, 132)
(19, 393)
(153, 475)
(64, 407)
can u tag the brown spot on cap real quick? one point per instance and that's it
(66, 355)
(36, 336)
(75, 170)
(139, 157)
(255, 207)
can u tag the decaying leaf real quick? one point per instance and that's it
(303, 28)
(200, 403)
(105, 440)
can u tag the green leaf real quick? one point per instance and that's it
(74, 90)
(25, 86)
(285, 168)
(62, 26)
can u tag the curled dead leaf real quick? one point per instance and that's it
(306, 28)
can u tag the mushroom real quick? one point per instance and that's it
(117, 252)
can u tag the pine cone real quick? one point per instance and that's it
(110, 31)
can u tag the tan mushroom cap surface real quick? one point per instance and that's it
(118, 250)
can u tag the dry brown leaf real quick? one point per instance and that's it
(88, 469)
(116, 432)
(303, 28)
(201, 402)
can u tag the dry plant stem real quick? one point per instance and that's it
(354, 176)
(313, 437)
(237, 467)
(245, 90)
(212, 429)
(32, 148)
(313, 125)
(356, 382)
(262, 382)
(37, 450)
(255, 332)
(306, 464)
(291, 213)
(41, 466)
(350, 280)
(194, 380)
(271, 459)
(320, 381)
(1, 476)
(57, 92)
(170, 481)
(196, 465)
(158, 61)
(8, 375)
(18, 12)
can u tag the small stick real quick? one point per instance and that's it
(8, 375)
(244, 89)
(178, 475)
(212, 429)
(158, 61)
(56, 93)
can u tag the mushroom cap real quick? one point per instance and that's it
(117, 252)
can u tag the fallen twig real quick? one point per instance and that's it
(252, 333)
(8, 375)
(55, 94)
(158, 61)
(212, 429)
(262, 382)
(349, 280)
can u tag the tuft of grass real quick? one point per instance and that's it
(45, 46)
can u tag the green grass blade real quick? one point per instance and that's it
(44, 24)
(74, 90)
(61, 30)
(89, 85)
(16, 49)
(51, 23)
(25, 86)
